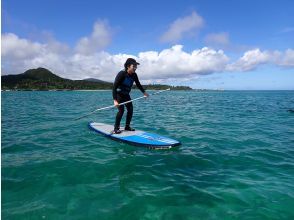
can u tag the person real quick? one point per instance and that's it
(121, 93)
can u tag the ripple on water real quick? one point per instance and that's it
(235, 161)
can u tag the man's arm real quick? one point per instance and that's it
(138, 84)
(118, 80)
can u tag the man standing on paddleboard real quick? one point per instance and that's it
(121, 93)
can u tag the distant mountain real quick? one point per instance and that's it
(40, 74)
(43, 79)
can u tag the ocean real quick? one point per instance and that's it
(236, 160)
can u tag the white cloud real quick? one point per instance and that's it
(169, 63)
(249, 61)
(178, 64)
(218, 39)
(18, 48)
(172, 64)
(254, 58)
(182, 26)
(99, 39)
(286, 59)
(20, 54)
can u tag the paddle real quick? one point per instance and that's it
(123, 103)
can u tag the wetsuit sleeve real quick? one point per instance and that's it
(118, 80)
(138, 84)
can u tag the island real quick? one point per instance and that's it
(42, 79)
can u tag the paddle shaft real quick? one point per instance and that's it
(123, 103)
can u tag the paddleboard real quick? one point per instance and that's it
(138, 138)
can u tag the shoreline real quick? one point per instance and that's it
(102, 90)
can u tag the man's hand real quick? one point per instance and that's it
(146, 94)
(115, 103)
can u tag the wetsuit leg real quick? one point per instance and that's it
(120, 112)
(129, 107)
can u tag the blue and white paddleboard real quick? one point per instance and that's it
(139, 138)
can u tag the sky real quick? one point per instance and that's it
(204, 44)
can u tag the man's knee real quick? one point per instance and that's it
(121, 110)
(130, 108)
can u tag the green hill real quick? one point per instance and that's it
(43, 79)
(40, 74)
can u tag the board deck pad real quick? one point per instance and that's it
(139, 138)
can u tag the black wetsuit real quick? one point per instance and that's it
(121, 89)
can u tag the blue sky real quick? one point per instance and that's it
(228, 44)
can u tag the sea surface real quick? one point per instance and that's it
(236, 160)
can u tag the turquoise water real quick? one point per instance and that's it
(236, 160)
